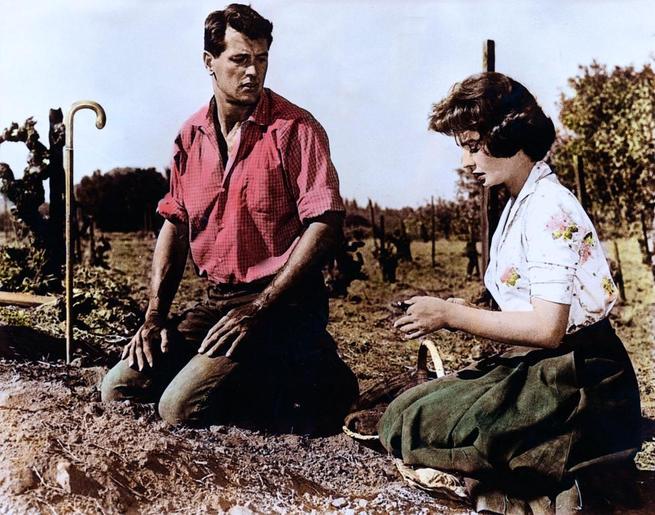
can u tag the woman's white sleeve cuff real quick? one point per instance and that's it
(550, 282)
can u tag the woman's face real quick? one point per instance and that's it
(489, 170)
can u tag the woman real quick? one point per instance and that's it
(526, 423)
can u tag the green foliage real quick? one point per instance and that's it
(104, 302)
(21, 270)
(610, 122)
(104, 311)
(123, 199)
(12, 315)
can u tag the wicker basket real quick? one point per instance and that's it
(362, 423)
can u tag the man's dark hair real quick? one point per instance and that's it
(501, 110)
(241, 18)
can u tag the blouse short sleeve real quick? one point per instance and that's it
(555, 227)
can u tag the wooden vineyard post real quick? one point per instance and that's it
(57, 184)
(489, 212)
(69, 193)
(489, 56)
(433, 233)
(619, 272)
(648, 256)
(372, 213)
(581, 188)
(383, 256)
(92, 243)
(6, 223)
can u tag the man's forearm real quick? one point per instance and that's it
(319, 240)
(168, 264)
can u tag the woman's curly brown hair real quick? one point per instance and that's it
(501, 110)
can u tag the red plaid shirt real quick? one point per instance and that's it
(245, 218)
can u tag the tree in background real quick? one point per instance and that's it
(609, 121)
(123, 199)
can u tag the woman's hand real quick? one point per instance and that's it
(424, 315)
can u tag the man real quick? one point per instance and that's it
(254, 197)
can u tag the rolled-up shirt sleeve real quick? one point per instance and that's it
(313, 176)
(171, 207)
(554, 229)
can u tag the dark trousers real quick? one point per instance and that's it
(287, 377)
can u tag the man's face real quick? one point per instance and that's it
(240, 70)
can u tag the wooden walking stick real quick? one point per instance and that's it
(489, 209)
(433, 232)
(101, 118)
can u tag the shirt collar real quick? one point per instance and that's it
(260, 116)
(538, 172)
(262, 113)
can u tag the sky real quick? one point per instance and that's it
(368, 70)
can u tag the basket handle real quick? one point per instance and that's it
(422, 365)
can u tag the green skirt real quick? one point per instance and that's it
(526, 421)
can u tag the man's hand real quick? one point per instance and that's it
(319, 238)
(140, 347)
(424, 315)
(231, 330)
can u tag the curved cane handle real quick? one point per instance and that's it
(101, 118)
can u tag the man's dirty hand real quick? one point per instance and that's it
(139, 350)
(230, 331)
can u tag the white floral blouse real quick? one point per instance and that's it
(546, 247)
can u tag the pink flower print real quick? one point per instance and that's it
(608, 286)
(585, 247)
(561, 226)
(510, 276)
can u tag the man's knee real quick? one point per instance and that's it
(123, 382)
(198, 394)
(176, 408)
(110, 388)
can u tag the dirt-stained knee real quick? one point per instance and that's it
(109, 390)
(123, 383)
(173, 409)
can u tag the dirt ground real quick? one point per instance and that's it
(62, 451)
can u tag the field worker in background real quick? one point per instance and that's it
(255, 198)
(471, 252)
